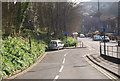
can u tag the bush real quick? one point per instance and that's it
(17, 54)
(69, 41)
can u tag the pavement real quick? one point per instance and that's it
(111, 67)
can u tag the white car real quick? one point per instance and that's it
(82, 36)
(56, 44)
(97, 38)
(106, 39)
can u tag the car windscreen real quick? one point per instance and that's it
(53, 42)
(59, 42)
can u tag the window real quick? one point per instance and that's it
(59, 43)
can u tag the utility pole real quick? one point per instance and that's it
(118, 24)
(99, 21)
(102, 29)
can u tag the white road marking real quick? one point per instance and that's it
(56, 77)
(61, 69)
(63, 60)
(66, 54)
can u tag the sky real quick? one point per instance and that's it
(94, 0)
(78, 1)
(105, 0)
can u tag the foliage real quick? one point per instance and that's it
(17, 53)
(69, 41)
(43, 17)
(36, 35)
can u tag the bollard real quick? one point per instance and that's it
(82, 44)
(118, 42)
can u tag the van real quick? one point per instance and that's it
(56, 44)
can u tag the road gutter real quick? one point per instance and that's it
(103, 70)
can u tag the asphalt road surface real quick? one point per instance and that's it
(67, 64)
(94, 46)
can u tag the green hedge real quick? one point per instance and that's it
(17, 54)
(69, 41)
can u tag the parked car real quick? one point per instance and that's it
(56, 44)
(106, 39)
(82, 36)
(97, 38)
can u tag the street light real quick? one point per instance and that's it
(103, 30)
(118, 23)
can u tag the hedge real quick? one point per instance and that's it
(69, 41)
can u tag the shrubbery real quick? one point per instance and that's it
(17, 53)
(69, 41)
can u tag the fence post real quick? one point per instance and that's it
(100, 49)
(104, 43)
(107, 51)
(118, 51)
(118, 42)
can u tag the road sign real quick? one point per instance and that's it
(66, 33)
(101, 30)
(104, 29)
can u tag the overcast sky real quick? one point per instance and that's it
(78, 1)
(95, 0)
(60, 0)
(105, 0)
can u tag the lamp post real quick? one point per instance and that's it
(103, 30)
(118, 23)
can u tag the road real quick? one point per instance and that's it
(94, 46)
(67, 64)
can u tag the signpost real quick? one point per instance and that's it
(103, 31)
(66, 34)
(104, 41)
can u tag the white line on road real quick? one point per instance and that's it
(66, 54)
(61, 69)
(56, 77)
(63, 60)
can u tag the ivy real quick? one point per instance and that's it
(17, 54)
